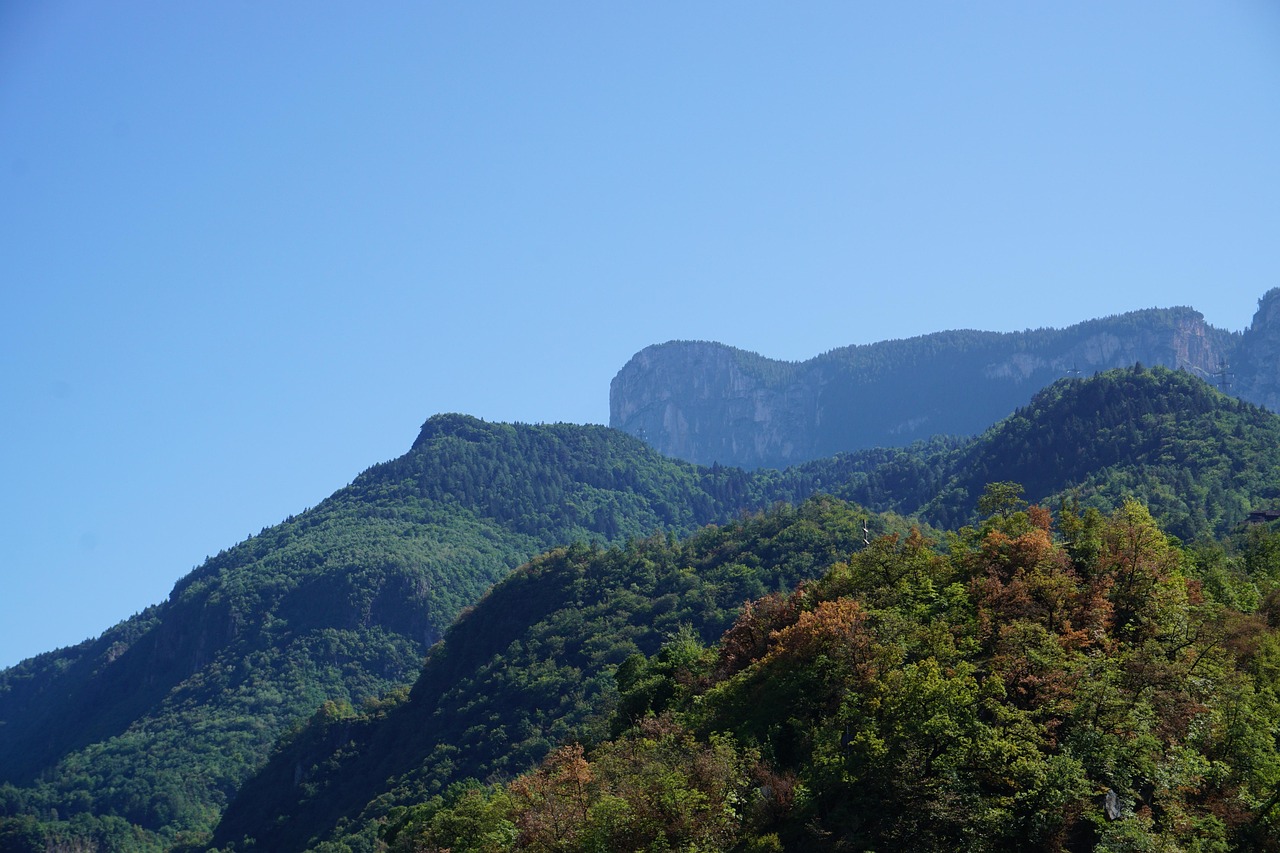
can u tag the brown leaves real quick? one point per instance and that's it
(837, 629)
(749, 638)
(551, 803)
(1025, 578)
(657, 788)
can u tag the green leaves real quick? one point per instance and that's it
(167, 716)
(1090, 647)
(1008, 716)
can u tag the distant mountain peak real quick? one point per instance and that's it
(707, 402)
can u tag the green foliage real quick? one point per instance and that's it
(162, 719)
(168, 717)
(656, 789)
(532, 666)
(1199, 460)
(1014, 693)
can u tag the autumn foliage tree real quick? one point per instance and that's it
(1037, 682)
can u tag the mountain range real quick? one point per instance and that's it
(279, 695)
(707, 402)
(161, 719)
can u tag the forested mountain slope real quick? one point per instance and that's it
(707, 402)
(531, 666)
(156, 723)
(1199, 459)
(140, 738)
(1061, 684)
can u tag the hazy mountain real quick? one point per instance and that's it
(707, 402)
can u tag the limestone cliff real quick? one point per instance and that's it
(1257, 364)
(706, 402)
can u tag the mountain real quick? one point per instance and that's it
(1257, 358)
(529, 667)
(539, 660)
(1200, 460)
(148, 731)
(1064, 683)
(706, 402)
(141, 738)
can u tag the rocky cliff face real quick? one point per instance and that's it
(1257, 364)
(700, 400)
(706, 402)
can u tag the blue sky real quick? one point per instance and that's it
(249, 247)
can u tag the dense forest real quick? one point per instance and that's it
(280, 693)
(148, 731)
(1199, 459)
(1076, 682)
(531, 666)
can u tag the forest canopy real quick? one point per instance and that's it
(1066, 680)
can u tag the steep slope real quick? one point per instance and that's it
(1257, 360)
(498, 692)
(148, 731)
(707, 402)
(530, 666)
(158, 721)
(1028, 690)
(1199, 459)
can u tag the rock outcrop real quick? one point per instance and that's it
(1257, 362)
(707, 402)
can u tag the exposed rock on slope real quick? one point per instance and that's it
(706, 402)
(1258, 356)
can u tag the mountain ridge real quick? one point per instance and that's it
(487, 689)
(157, 725)
(158, 721)
(707, 402)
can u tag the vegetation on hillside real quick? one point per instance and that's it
(158, 722)
(532, 665)
(1199, 459)
(300, 643)
(1065, 684)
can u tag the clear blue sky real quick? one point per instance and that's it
(249, 247)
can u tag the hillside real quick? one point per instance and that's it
(536, 663)
(531, 666)
(150, 729)
(1199, 459)
(1056, 684)
(141, 738)
(707, 402)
